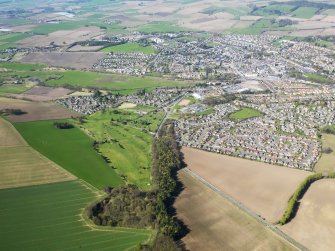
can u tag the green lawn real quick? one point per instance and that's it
(305, 12)
(126, 141)
(48, 217)
(245, 113)
(72, 149)
(130, 47)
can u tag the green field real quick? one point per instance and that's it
(305, 12)
(327, 160)
(130, 47)
(8, 40)
(161, 27)
(21, 67)
(126, 141)
(245, 113)
(13, 88)
(72, 149)
(49, 217)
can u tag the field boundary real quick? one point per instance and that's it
(243, 208)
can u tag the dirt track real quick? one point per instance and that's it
(263, 188)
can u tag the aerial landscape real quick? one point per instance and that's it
(167, 125)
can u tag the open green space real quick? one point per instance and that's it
(72, 149)
(130, 47)
(49, 217)
(125, 137)
(160, 26)
(13, 88)
(245, 113)
(20, 66)
(305, 12)
(327, 159)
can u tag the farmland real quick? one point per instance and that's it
(126, 141)
(130, 47)
(9, 40)
(49, 217)
(20, 165)
(223, 226)
(34, 110)
(245, 113)
(316, 213)
(72, 150)
(227, 172)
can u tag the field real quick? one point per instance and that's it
(8, 40)
(35, 110)
(48, 217)
(72, 150)
(43, 93)
(126, 141)
(13, 88)
(130, 47)
(20, 165)
(237, 176)
(305, 12)
(215, 224)
(327, 161)
(314, 224)
(245, 113)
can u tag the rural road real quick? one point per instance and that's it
(240, 206)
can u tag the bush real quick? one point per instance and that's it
(63, 125)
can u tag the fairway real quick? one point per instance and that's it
(130, 47)
(72, 149)
(20, 165)
(126, 144)
(245, 113)
(49, 217)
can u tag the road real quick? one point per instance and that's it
(240, 206)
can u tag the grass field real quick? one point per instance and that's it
(72, 150)
(48, 217)
(327, 161)
(215, 224)
(20, 165)
(8, 40)
(130, 47)
(13, 88)
(245, 113)
(127, 142)
(160, 27)
(305, 12)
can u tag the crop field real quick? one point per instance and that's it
(126, 141)
(72, 149)
(35, 110)
(236, 177)
(13, 88)
(43, 93)
(245, 113)
(161, 27)
(314, 224)
(20, 165)
(48, 217)
(215, 224)
(130, 47)
(327, 161)
(9, 40)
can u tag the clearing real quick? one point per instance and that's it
(72, 149)
(245, 113)
(49, 217)
(20, 165)
(259, 186)
(327, 160)
(35, 110)
(215, 224)
(314, 224)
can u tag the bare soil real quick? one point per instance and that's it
(263, 188)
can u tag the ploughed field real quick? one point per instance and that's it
(314, 223)
(215, 224)
(263, 188)
(20, 165)
(49, 217)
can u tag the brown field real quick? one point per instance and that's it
(314, 224)
(84, 48)
(327, 161)
(42, 93)
(73, 60)
(35, 110)
(263, 188)
(184, 102)
(215, 224)
(61, 37)
(21, 165)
